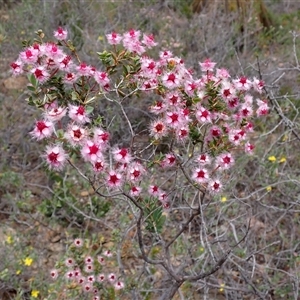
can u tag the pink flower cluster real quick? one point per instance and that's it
(218, 108)
(47, 59)
(212, 110)
(132, 41)
(89, 273)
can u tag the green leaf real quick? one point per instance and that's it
(33, 80)
(89, 109)
(31, 88)
(75, 96)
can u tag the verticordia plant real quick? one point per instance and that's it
(201, 123)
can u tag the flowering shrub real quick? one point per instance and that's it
(204, 121)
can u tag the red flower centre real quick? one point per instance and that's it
(41, 125)
(94, 149)
(53, 157)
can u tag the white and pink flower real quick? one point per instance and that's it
(56, 157)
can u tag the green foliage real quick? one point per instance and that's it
(69, 202)
(10, 180)
(155, 219)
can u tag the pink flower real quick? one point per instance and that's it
(43, 129)
(227, 91)
(215, 132)
(54, 274)
(233, 102)
(158, 107)
(135, 47)
(148, 40)
(190, 87)
(99, 165)
(203, 115)
(249, 148)
(214, 186)
(40, 74)
(131, 35)
(122, 155)
(135, 191)
(168, 161)
(78, 243)
(242, 84)
(56, 157)
(246, 110)
(30, 55)
(69, 275)
(170, 80)
(87, 287)
(89, 260)
(75, 135)
(88, 268)
(135, 172)
(114, 179)
(81, 279)
(101, 278)
(164, 55)
(158, 129)
(102, 79)
(101, 136)
(263, 108)
(84, 70)
(61, 34)
(65, 63)
(154, 190)
(90, 278)
(113, 38)
(77, 272)
(119, 285)
(182, 133)
(91, 151)
(112, 277)
(70, 78)
(17, 67)
(222, 73)
(173, 119)
(258, 85)
(207, 65)
(235, 137)
(107, 253)
(203, 159)
(51, 50)
(69, 262)
(200, 175)
(173, 98)
(78, 114)
(56, 113)
(148, 67)
(163, 197)
(101, 260)
(224, 161)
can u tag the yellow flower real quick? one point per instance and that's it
(100, 38)
(35, 293)
(18, 272)
(221, 289)
(9, 239)
(28, 261)
(223, 199)
(272, 158)
(269, 188)
(282, 159)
